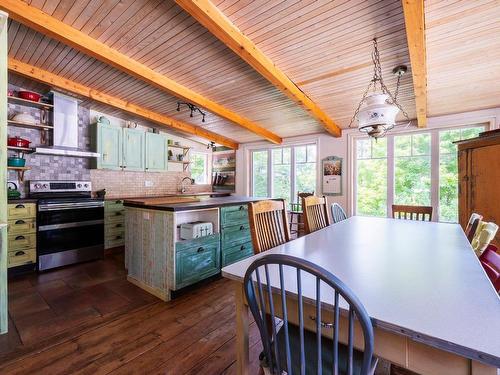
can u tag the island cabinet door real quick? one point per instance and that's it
(156, 152)
(133, 149)
(195, 263)
(235, 253)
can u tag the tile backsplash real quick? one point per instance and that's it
(116, 183)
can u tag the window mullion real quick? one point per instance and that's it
(270, 186)
(390, 174)
(293, 193)
(435, 174)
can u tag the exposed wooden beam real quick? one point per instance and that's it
(48, 25)
(206, 13)
(54, 80)
(415, 33)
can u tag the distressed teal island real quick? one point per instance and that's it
(160, 262)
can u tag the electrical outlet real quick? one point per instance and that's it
(148, 183)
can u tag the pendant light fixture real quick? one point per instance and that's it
(377, 111)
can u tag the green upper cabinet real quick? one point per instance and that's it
(109, 145)
(133, 149)
(156, 152)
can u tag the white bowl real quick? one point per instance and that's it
(25, 118)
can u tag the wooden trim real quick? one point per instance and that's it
(415, 34)
(76, 88)
(206, 13)
(50, 26)
(154, 291)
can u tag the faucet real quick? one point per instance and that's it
(182, 187)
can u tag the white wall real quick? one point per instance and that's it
(331, 146)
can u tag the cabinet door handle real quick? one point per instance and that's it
(242, 227)
(20, 222)
(118, 202)
(200, 249)
(118, 225)
(20, 238)
(242, 208)
(118, 237)
(242, 247)
(19, 253)
(20, 206)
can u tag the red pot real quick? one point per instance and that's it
(29, 95)
(18, 142)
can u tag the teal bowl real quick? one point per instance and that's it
(16, 162)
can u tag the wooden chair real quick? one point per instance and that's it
(290, 347)
(268, 224)
(472, 225)
(423, 213)
(338, 213)
(490, 260)
(296, 213)
(315, 213)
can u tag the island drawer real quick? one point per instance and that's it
(197, 242)
(236, 253)
(194, 264)
(232, 215)
(22, 226)
(21, 210)
(235, 234)
(21, 257)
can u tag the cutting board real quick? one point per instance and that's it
(162, 200)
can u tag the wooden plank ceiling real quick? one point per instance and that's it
(463, 55)
(324, 47)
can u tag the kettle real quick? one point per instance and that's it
(12, 192)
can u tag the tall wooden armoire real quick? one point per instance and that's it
(479, 178)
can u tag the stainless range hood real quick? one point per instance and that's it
(65, 129)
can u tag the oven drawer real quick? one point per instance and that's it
(21, 210)
(22, 226)
(21, 257)
(22, 241)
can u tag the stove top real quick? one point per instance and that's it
(58, 188)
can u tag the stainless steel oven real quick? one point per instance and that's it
(70, 223)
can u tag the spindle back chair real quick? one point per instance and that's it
(315, 213)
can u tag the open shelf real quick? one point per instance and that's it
(26, 150)
(20, 171)
(179, 162)
(179, 146)
(29, 103)
(31, 126)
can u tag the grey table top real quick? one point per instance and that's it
(205, 203)
(418, 279)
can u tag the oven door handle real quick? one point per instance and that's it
(72, 206)
(43, 228)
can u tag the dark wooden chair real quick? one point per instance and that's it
(315, 213)
(472, 225)
(290, 347)
(296, 213)
(338, 213)
(490, 260)
(268, 224)
(422, 213)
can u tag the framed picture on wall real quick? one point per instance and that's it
(331, 175)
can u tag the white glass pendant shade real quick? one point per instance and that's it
(377, 116)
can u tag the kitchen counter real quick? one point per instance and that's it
(22, 200)
(203, 204)
(202, 194)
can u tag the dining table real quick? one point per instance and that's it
(433, 308)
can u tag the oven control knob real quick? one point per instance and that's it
(86, 185)
(38, 186)
(79, 185)
(45, 186)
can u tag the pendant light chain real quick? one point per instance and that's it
(377, 78)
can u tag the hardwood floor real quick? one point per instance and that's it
(88, 319)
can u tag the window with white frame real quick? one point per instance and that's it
(282, 172)
(417, 168)
(199, 167)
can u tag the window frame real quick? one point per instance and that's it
(206, 164)
(434, 131)
(293, 163)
